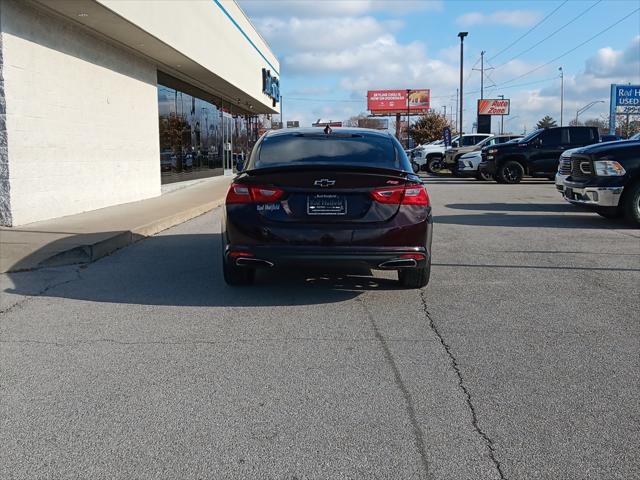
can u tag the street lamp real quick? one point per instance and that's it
(408, 94)
(461, 35)
(587, 107)
(561, 94)
(501, 118)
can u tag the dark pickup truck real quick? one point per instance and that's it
(535, 155)
(606, 179)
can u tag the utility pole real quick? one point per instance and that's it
(502, 118)
(482, 70)
(281, 110)
(561, 95)
(408, 94)
(461, 35)
(445, 112)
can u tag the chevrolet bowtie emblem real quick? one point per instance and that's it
(325, 182)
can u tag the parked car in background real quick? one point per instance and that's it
(431, 158)
(453, 155)
(606, 179)
(347, 198)
(468, 163)
(423, 153)
(536, 155)
(466, 144)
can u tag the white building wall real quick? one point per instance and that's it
(200, 30)
(81, 118)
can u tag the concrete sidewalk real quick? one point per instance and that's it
(88, 236)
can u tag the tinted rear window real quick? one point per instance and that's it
(365, 150)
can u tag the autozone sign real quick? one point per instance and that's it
(495, 106)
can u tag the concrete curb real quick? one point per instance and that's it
(91, 252)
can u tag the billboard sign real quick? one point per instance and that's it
(389, 102)
(375, 123)
(324, 123)
(493, 106)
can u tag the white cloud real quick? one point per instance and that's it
(608, 62)
(511, 18)
(334, 8)
(321, 34)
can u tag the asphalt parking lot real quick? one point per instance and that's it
(519, 360)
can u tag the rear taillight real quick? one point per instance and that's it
(408, 195)
(239, 193)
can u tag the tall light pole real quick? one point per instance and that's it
(408, 94)
(461, 35)
(561, 95)
(502, 118)
(587, 107)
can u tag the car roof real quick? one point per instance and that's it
(334, 130)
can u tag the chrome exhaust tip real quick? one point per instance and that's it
(253, 262)
(399, 263)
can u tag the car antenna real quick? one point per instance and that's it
(327, 130)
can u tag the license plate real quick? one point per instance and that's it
(326, 204)
(568, 192)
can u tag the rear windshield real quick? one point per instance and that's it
(351, 149)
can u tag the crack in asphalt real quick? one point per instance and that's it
(33, 296)
(408, 399)
(463, 387)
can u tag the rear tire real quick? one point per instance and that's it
(237, 276)
(510, 172)
(631, 204)
(415, 277)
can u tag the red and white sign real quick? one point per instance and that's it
(493, 106)
(395, 101)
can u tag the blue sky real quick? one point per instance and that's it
(332, 52)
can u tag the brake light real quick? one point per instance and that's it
(409, 195)
(388, 195)
(239, 193)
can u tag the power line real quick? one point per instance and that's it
(528, 31)
(573, 49)
(550, 35)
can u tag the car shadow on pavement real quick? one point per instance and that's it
(500, 219)
(186, 270)
(516, 207)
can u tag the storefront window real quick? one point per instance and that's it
(189, 136)
(200, 137)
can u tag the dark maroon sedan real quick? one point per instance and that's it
(347, 197)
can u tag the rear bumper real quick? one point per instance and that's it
(379, 258)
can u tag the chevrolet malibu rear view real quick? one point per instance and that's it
(345, 198)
